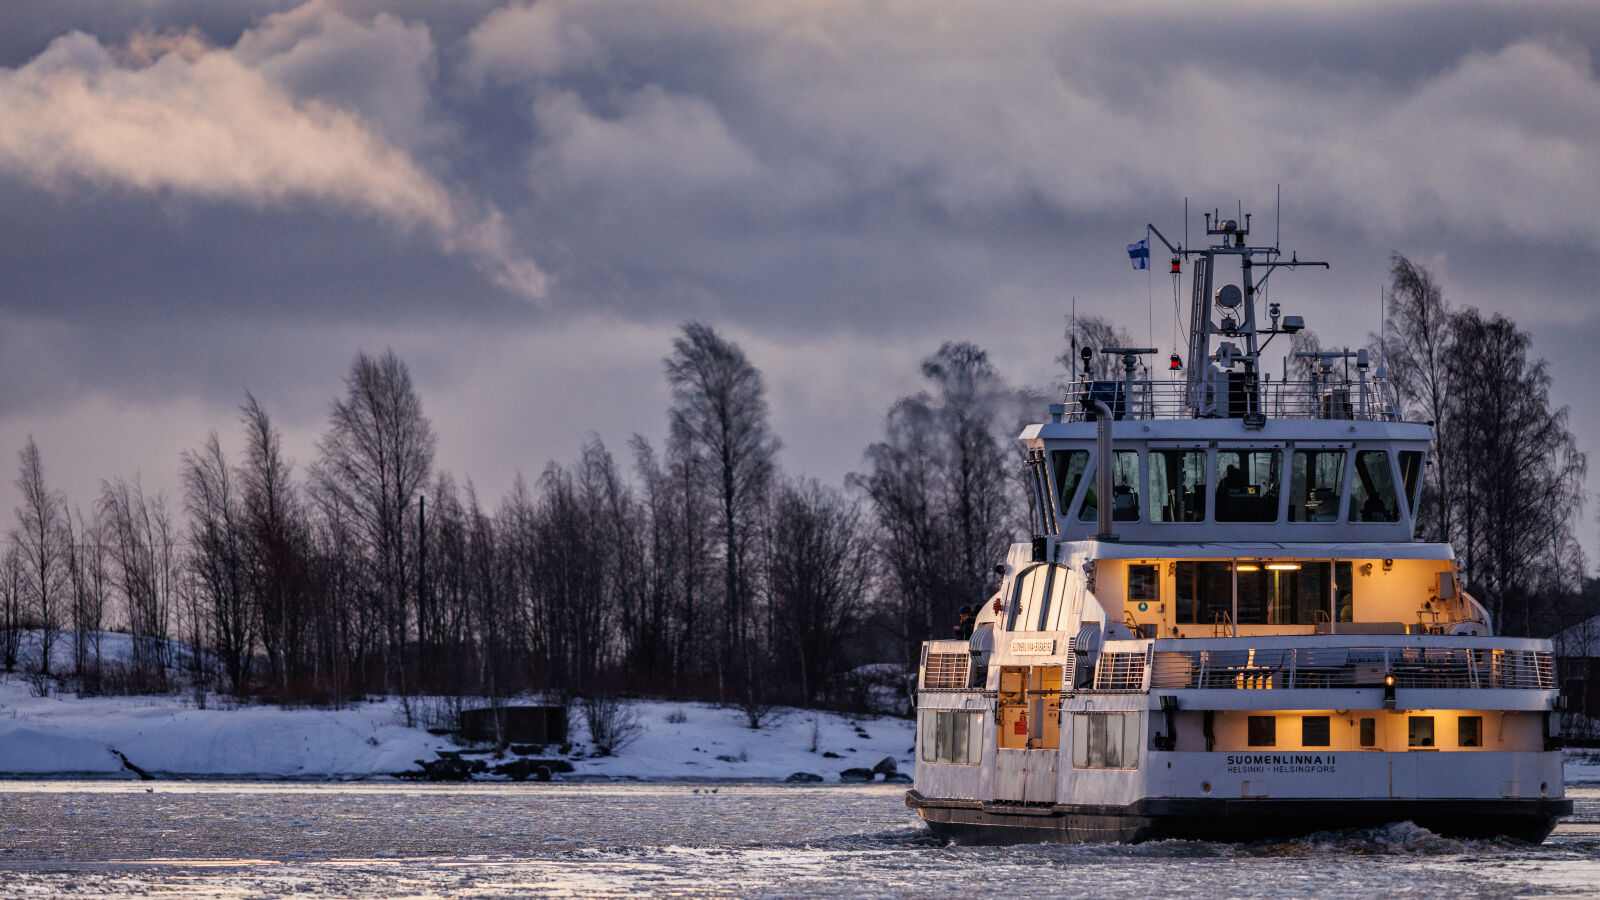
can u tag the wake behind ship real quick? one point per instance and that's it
(1224, 627)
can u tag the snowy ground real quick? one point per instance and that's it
(169, 736)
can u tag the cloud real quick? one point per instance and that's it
(183, 119)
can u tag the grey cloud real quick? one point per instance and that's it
(840, 186)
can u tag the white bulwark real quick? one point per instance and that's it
(1223, 627)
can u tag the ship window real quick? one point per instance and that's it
(1411, 476)
(1124, 490)
(1177, 485)
(952, 736)
(1369, 732)
(1421, 731)
(1372, 497)
(1068, 466)
(1143, 584)
(1262, 731)
(1105, 740)
(1314, 478)
(1469, 731)
(1271, 592)
(1247, 485)
(1314, 731)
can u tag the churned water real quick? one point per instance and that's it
(676, 840)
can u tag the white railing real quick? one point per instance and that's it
(1151, 399)
(1347, 667)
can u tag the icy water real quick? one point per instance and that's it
(675, 840)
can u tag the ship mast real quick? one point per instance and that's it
(1230, 375)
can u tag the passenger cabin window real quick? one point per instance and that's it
(1262, 731)
(1314, 478)
(1411, 476)
(1067, 466)
(1124, 490)
(1314, 731)
(1271, 592)
(1105, 740)
(1177, 485)
(1372, 496)
(1369, 732)
(1420, 731)
(1247, 485)
(952, 736)
(1469, 731)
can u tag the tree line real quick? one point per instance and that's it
(697, 569)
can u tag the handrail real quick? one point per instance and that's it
(1297, 399)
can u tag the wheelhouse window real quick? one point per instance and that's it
(1247, 485)
(1177, 485)
(1372, 496)
(1262, 731)
(1124, 490)
(1314, 479)
(1067, 466)
(1411, 476)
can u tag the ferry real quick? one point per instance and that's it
(1223, 627)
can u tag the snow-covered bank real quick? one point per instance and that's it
(168, 736)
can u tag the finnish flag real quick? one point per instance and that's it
(1140, 254)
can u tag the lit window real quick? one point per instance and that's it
(1263, 731)
(1421, 731)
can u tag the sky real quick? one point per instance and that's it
(527, 201)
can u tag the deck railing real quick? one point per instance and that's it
(1348, 667)
(1152, 399)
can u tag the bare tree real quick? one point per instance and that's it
(218, 557)
(274, 550)
(1417, 334)
(11, 617)
(375, 459)
(818, 574)
(143, 544)
(43, 539)
(1517, 487)
(942, 501)
(1095, 333)
(719, 414)
(90, 583)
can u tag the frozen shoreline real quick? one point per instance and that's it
(169, 737)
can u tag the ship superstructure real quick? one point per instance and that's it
(1223, 627)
